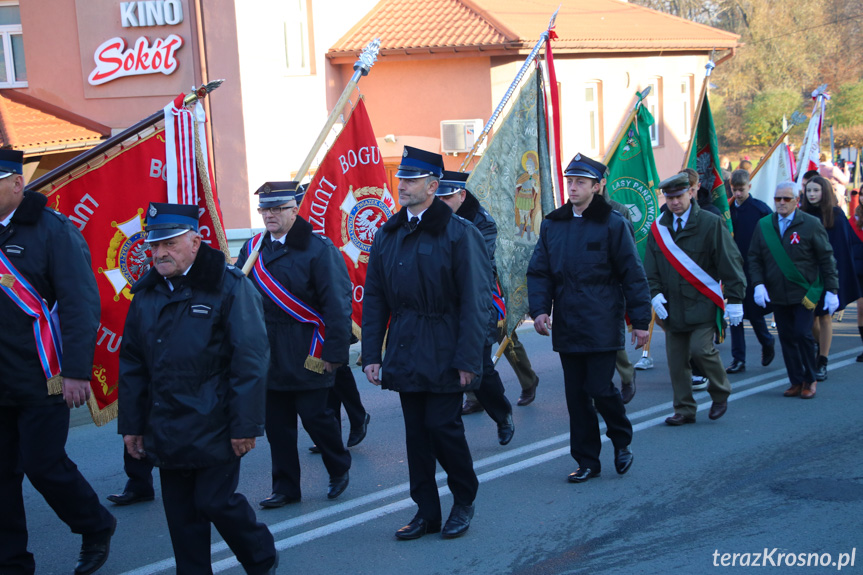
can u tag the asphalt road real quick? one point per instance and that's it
(775, 474)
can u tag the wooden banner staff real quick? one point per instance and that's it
(796, 118)
(367, 59)
(621, 131)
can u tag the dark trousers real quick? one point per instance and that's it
(490, 393)
(794, 325)
(587, 381)
(139, 473)
(434, 431)
(195, 498)
(345, 393)
(283, 407)
(33, 443)
(755, 315)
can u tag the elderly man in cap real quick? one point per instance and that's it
(307, 303)
(192, 389)
(585, 267)
(689, 251)
(428, 282)
(44, 266)
(490, 394)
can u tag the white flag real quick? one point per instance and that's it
(811, 148)
(776, 168)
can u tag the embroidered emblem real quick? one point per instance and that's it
(128, 257)
(364, 211)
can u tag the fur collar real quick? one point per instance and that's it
(598, 210)
(30, 208)
(206, 273)
(469, 208)
(434, 220)
(300, 234)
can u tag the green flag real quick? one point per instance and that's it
(704, 159)
(632, 177)
(513, 182)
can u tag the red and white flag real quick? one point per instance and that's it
(811, 148)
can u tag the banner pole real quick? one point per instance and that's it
(621, 130)
(795, 119)
(709, 66)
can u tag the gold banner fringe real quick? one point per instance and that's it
(104, 415)
(55, 385)
(356, 330)
(810, 305)
(314, 364)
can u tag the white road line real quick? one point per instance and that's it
(353, 521)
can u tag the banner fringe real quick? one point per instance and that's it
(55, 385)
(315, 364)
(102, 416)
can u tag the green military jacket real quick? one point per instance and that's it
(810, 251)
(706, 240)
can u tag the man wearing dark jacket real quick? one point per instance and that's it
(44, 262)
(428, 281)
(192, 389)
(490, 394)
(586, 268)
(307, 305)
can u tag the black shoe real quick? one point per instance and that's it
(678, 419)
(528, 395)
(357, 435)
(506, 430)
(736, 367)
(277, 500)
(314, 449)
(458, 522)
(582, 474)
(417, 528)
(338, 485)
(94, 551)
(622, 460)
(272, 570)
(860, 358)
(718, 409)
(471, 406)
(768, 352)
(128, 498)
(627, 390)
(821, 369)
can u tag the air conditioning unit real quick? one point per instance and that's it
(459, 136)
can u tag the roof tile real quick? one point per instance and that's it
(27, 126)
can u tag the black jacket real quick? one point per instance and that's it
(431, 285)
(51, 253)
(588, 272)
(193, 365)
(311, 268)
(478, 216)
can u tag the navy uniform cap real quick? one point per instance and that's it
(418, 163)
(452, 182)
(584, 167)
(273, 194)
(675, 185)
(165, 221)
(11, 162)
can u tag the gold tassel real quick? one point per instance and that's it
(315, 364)
(55, 385)
(808, 304)
(7, 280)
(102, 416)
(501, 323)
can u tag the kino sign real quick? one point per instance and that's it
(114, 60)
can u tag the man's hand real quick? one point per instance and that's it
(465, 377)
(734, 313)
(657, 302)
(542, 324)
(331, 367)
(135, 446)
(639, 337)
(831, 302)
(76, 392)
(243, 446)
(760, 296)
(373, 373)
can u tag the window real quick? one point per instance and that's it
(686, 100)
(592, 116)
(654, 106)
(299, 53)
(13, 70)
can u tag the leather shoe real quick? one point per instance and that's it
(272, 570)
(627, 390)
(94, 550)
(528, 395)
(582, 474)
(718, 409)
(622, 460)
(277, 500)
(736, 367)
(338, 485)
(506, 430)
(471, 406)
(458, 522)
(793, 391)
(128, 498)
(314, 449)
(678, 419)
(357, 435)
(808, 391)
(768, 352)
(417, 528)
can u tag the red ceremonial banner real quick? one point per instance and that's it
(107, 200)
(348, 200)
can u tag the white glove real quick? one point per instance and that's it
(761, 298)
(660, 310)
(734, 313)
(831, 302)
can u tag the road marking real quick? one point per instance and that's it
(354, 520)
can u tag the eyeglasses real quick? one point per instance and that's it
(275, 211)
(784, 199)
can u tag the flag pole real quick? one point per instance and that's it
(362, 66)
(709, 66)
(622, 129)
(796, 118)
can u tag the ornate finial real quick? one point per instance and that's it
(709, 66)
(554, 17)
(796, 118)
(821, 91)
(368, 57)
(201, 92)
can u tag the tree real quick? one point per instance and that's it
(763, 115)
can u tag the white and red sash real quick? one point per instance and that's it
(25, 296)
(686, 267)
(292, 305)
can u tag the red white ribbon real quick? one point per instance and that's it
(686, 266)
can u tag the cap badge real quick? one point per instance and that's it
(405, 153)
(152, 212)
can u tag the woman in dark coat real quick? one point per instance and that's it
(820, 201)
